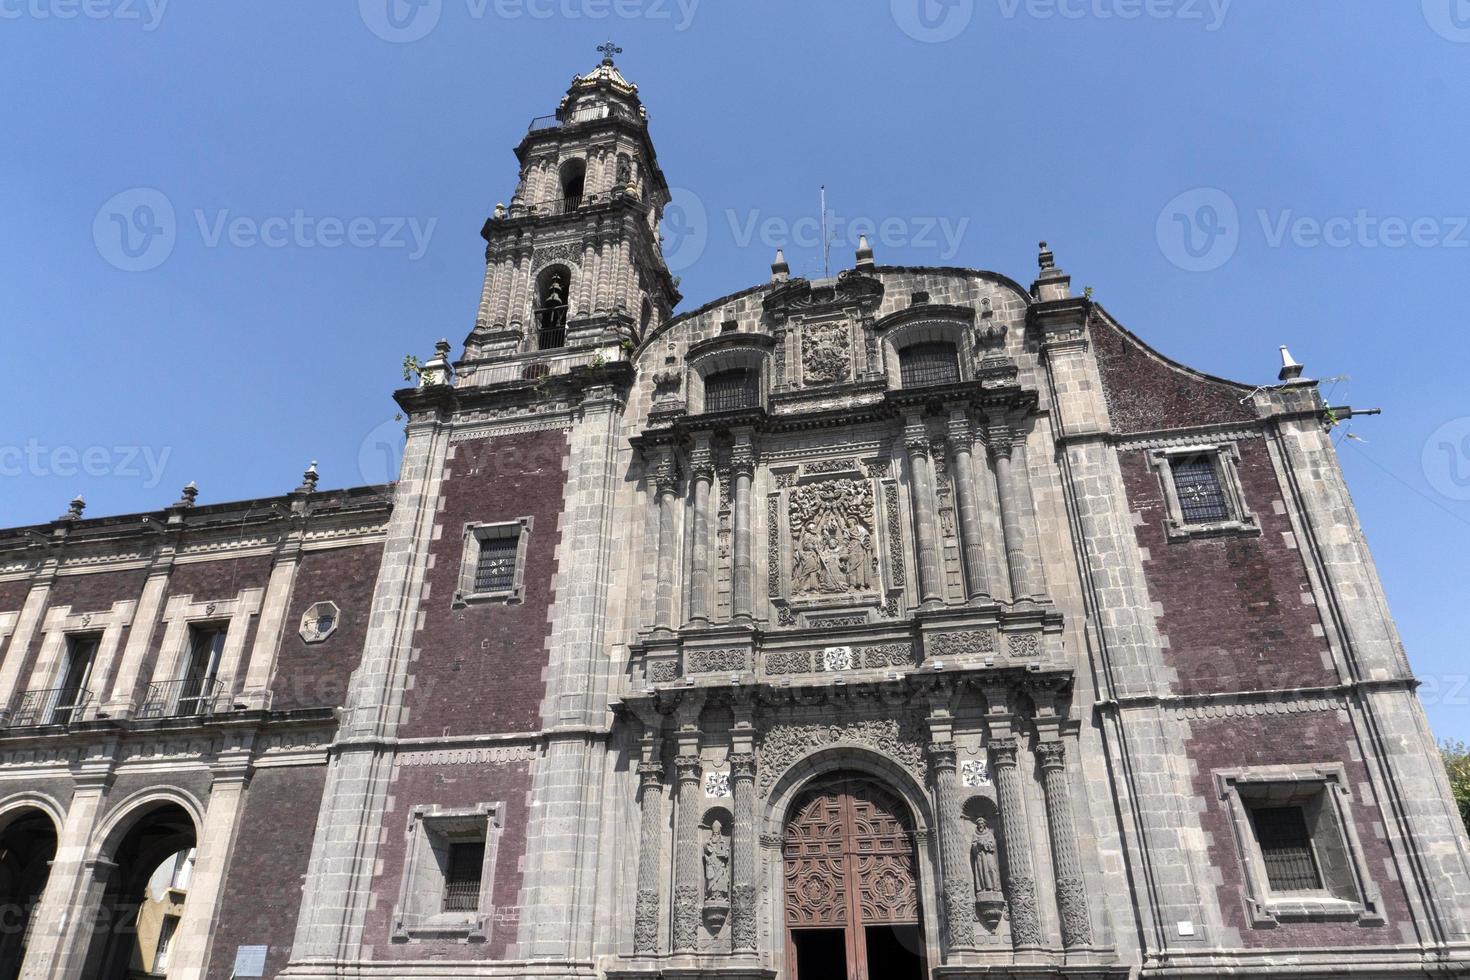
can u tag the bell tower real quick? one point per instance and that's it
(574, 262)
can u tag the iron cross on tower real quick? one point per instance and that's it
(608, 50)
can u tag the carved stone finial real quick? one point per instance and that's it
(190, 494)
(308, 479)
(74, 509)
(864, 253)
(1291, 369)
(1046, 259)
(780, 271)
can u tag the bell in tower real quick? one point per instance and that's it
(575, 262)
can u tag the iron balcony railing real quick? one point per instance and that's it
(181, 699)
(57, 706)
(583, 114)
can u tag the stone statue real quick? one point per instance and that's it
(983, 858)
(806, 575)
(859, 557)
(717, 865)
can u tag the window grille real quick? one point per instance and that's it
(730, 390)
(1201, 497)
(1286, 847)
(928, 364)
(495, 570)
(462, 879)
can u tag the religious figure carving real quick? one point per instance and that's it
(983, 858)
(826, 352)
(832, 524)
(717, 865)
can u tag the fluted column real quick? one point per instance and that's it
(743, 860)
(1002, 445)
(699, 578)
(650, 856)
(742, 472)
(1071, 887)
(916, 441)
(1020, 879)
(686, 854)
(666, 493)
(959, 885)
(961, 441)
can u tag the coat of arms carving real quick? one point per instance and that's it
(826, 352)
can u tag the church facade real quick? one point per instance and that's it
(908, 623)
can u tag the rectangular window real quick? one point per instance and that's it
(727, 391)
(196, 689)
(72, 695)
(496, 569)
(1201, 496)
(928, 364)
(166, 929)
(1286, 848)
(462, 878)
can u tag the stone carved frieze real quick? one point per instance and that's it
(826, 352)
(961, 642)
(716, 661)
(788, 662)
(1025, 646)
(833, 545)
(784, 744)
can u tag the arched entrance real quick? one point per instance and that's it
(851, 883)
(27, 847)
(143, 891)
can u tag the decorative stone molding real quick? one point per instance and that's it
(959, 643)
(733, 661)
(786, 743)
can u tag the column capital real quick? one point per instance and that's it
(742, 766)
(742, 458)
(688, 767)
(942, 756)
(959, 429)
(1005, 750)
(1053, 755)
(650, 774)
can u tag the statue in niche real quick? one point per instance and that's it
(834, 543)
(983, 859)
(717, 865)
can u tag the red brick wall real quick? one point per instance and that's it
(13, 595)
(310, 675)
(94, 592)
(448, 787)
(1311, 737)
(261, 897)
(481, 667)
(1233, 606)
(1144, 392)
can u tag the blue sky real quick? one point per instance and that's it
(1228, 176)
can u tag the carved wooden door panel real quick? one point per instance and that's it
(850, 865)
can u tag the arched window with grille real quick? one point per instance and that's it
(551, 308)
(728, 391)
(930, 363)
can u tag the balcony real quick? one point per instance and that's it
(57, 706)
(189, 698)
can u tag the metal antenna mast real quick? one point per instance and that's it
(826, 240)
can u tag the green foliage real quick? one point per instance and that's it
(411, 367)
(1457, 764)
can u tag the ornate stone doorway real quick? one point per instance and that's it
(851, 884)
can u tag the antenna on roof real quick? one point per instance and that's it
(826, 239)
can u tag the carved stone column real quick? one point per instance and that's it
(1002, 445)
(916, 441)
(666, 492)
(687, 871)
(961, 440)
(959, 885)
(1071, 887)
(699, 577)
(650, 856)
(742, 472)
(1020, 879)
(743, 860)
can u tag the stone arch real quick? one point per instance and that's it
(926, 325)
(864, 762)
(552, 299)
(728, 352)
(30, 831)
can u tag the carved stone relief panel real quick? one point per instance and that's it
(826, 352)
(832, 538)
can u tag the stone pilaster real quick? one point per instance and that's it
(26, 626)
(1071, 885)
(743, 859)
(1020, 879)
(687, 874)
(959, 885)
(701, 477)
(742, 472)
(666, 493)
(1003, 448)
(916, 441)
(256, 693)
(961, 440)
(650, 856)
